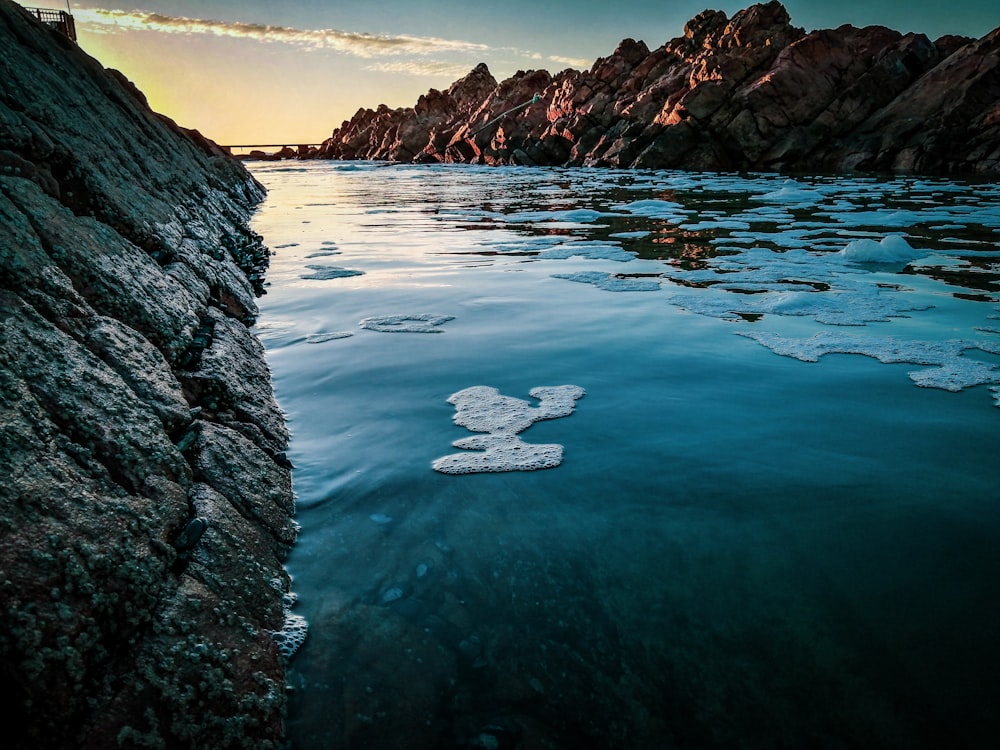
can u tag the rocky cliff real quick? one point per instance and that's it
(747, 92)
(145, 505)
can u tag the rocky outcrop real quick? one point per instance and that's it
(146, 505)
(747, 92)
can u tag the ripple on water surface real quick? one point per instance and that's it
(768, 538)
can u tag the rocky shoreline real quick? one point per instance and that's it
(751, 92)
(146, 506)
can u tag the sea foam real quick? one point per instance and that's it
(609, 282)
(326, 273)
(948, 369)
(416, 323)
(484, 409)
(891, 249)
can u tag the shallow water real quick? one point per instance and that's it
(739, 548)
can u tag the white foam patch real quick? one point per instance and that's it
(891, 249)
(792, 192)
(841, 309)
(484, 409)
(654, 208)
(326, 273)
(827, 287)
(885, 349)
(522, 244)
(986, 215)
(418, 323)
(956, 374)
(610, 283)
(968, 249)
(789, 238)
(766, 215)
(294, 629)
(591, 250)
(990, 346)
(495, 453)
(319, 338)
(292, 634)
(949, 370)
(996, 395)
(702, 226)
(575, 215)
(630, 235)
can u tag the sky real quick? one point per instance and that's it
(290, 71)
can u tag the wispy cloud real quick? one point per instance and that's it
(350, 42)
(572, 62)
(428, 56)
(422, 68)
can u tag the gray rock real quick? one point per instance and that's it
(133, 399)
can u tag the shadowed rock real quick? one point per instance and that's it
(146, 503)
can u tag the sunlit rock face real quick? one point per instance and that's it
(146, 505)
(748, 92)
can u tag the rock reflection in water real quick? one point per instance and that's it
(738, 549)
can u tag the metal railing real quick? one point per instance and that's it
(59, 20)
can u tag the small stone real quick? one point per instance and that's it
(392, 594)
(471, 647)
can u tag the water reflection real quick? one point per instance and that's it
(738, 550)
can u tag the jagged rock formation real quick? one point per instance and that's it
(750, 92)
(134, 400)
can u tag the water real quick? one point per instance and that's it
(739, 548)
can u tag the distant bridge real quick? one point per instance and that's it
(300, 147)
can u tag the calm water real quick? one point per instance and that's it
(740, 548)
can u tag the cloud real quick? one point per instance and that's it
(573, 62)
(580, 63)
(422, 68)
(349, 42)
(429, 56)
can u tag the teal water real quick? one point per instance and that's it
(739, 548)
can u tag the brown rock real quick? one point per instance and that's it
(764, 95)
(946, 122)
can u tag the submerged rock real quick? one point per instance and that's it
(146, 505)
(747, 92)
